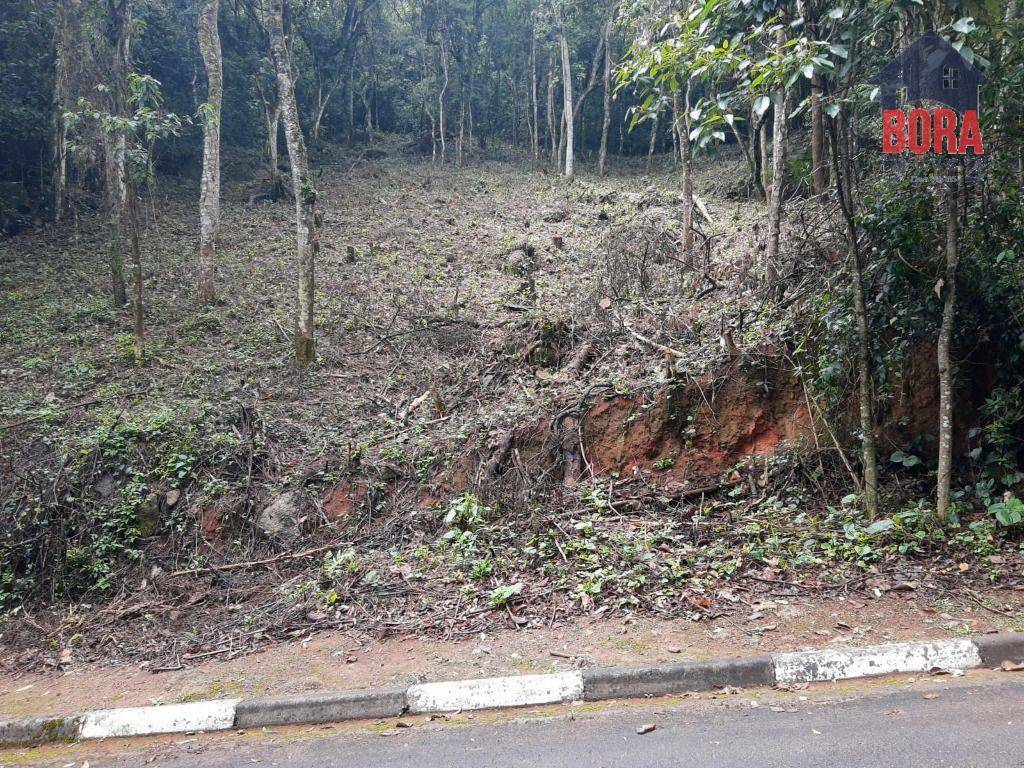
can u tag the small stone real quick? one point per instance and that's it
(645, 728)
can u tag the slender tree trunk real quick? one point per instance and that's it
(676, 157)
(115, 146)
(116, 198)
(606, 120)
(440, 98)
(302, 186)
(818, 176)
(762, 148)
(351, 109)
(947, 373)
(567, 107)
(775, 207)
(272, 121)
(368, 113)
(138, 314)
(273, 142)
(462, 125)
(433, 137)
(843, 180)
(209, 189)
(653, 143)
(552, 139)
(682, 130)
(61, 91)
(322, 101)
(514, 104)
(535, 135)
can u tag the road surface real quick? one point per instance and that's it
(973, 722)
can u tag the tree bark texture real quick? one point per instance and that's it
(209, 188)
(606, 120)
(818, 176)
(302, 186)
(946, 370)
(775, 207)
(567, 107)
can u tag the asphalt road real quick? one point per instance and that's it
(961, 722)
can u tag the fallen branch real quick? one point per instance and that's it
(649, 342)
(251, 563)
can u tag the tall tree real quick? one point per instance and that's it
(209, 189)
(946, 370)
(780, 132)
(567, 101)
(302, 185)
(118, 38)
(61, 95)
(606, 81)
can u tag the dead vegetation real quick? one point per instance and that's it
(529, 402)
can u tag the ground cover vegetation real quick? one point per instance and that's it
(435, 316)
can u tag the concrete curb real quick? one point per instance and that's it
(664, 679)
(320, 708)
(524, 690)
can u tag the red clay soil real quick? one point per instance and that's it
(697, 431)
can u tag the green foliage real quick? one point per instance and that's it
(1009, 512)
(503, 595)
(466, 512)
(85, 515)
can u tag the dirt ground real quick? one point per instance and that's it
(333, 660)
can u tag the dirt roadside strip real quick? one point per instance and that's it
(594, 684)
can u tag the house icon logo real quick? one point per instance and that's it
(929, 96)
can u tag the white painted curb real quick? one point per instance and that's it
(848, 663)
(526, 690)
(171, 718)
(495, 692)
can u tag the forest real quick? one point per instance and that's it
(434, 316)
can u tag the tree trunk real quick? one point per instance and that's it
(322, 101)
(676, 157)
(462, 126)
(947, 373)
(762, 149)
(606, 120)
(351, 109)
(682, 130)
(652, 144)
(775, 207)
(272, 120)
(61, 92)
(138, 317)
(116, 197)
(209, 189)
(818, 180)
(302, 185)
(567, 107)
(440, 98)
(552, 139)
(119, 35)
(535, 135)
(843, 180)
(367, 113)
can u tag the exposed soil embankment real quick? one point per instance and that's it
(696, 431)
(680, 434)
